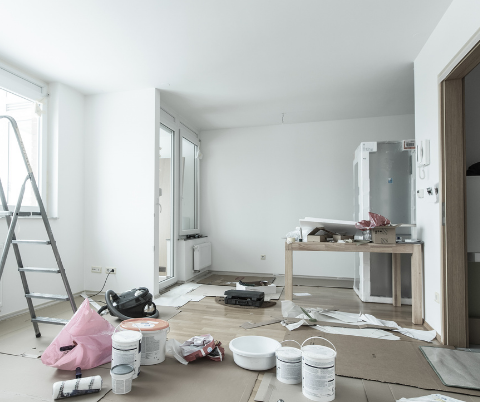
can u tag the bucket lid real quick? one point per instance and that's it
(126, 337)
(121, 369)
(145, 324)
(288, 353)
(318, 352)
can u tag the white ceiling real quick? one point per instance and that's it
(226, 63)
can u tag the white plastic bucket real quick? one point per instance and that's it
(126, 349)
(318, 371)
(254, 352)
(154, 333)
(122, 376)
(289, 364)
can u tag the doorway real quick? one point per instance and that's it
(453, 189)
(166, 228)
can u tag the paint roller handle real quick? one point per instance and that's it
(319, 337)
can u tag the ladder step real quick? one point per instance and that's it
(43, 270)
(48, 320)
(6, 213)
(46, 296)
(46, 242)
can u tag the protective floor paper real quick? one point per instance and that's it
(178, 296)
(430, 398)
(30, 380)
(201, 380)
(211, 290)
(455, 368)
(272, 390)
(399, 362)
(290, 309)
(367, 332)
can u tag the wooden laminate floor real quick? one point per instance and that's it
(224, 323)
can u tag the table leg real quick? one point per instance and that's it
(417, 286)
(288, 273)
(397, 279)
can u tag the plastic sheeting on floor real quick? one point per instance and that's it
(290, 309)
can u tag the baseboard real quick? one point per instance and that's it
(430, 328)
(282, 274)
(37, 307)
(338, 278)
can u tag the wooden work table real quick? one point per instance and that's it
(415, 249)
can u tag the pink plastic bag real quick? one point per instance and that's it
(375, 220)
(93, 336)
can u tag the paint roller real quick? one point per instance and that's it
(79, 386)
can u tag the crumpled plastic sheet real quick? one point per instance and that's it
(375, 220)
(289, 309)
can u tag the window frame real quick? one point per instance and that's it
(33, 90)
(189, 135)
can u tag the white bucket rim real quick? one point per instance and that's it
(333, 351)
(253, 354)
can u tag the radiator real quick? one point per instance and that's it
(202, 256)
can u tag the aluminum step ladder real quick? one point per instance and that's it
(11, 219)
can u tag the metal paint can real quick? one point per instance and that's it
(318, 371)
(126, 349)
(289, 364)
(122, 376)
(154, 340)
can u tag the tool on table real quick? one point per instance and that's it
(79, 386)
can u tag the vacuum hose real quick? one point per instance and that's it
(115, 312)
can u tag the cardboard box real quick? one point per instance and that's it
(270, 289)
(342, 237)
(313, 236)
(384, 235)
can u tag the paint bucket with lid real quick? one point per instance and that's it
(122, 376)
(289, 364)
(126, 349)
(154, 333)
(318, 371)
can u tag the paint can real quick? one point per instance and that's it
(154, 333)
(289, 364)
(318, 371)
(126, 349)
(122, 376)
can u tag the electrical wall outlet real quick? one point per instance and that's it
(97, 270)
(111, 270)
(263, 257)
(437, 297)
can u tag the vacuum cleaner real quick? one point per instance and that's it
(135, 303)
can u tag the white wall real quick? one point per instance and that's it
(458, 25)
(258, 182)
(65, 166)
(121, 189)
